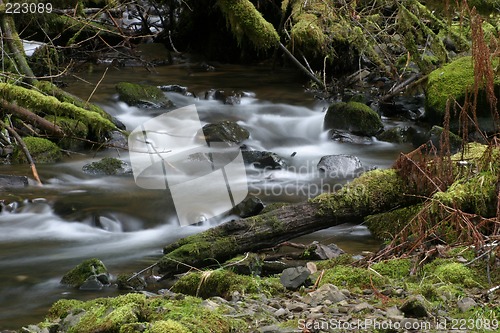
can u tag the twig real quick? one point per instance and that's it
(141, 271)
(96, 86)
(300, 66)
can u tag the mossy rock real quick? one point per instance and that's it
(451, 272)
(350, 277)
(41, 150)
(453, 81)
(77, 276)
(357, 118)
(108, 166)
(386, 225)
(142, 95)
(228, 132)
(223, 282)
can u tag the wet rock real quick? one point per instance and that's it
(346, 137)
(435, 137)
(117, 140)
(109, 166)
(293, 278)
(249, 207)
(324, 252)
(92, 283)
(263, 159)
(408, 107)
(9, 181)
(79, 275)
(357, 118)
(395, 135)
(177, 89)
(142, 95)
(339, 166)
(466, 303)
(226, 98)
(228, 132)
(415, 307)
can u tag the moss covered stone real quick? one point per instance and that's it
(109, 166)
(386, 225)
(357, 118)
(41, 150)
(453, 81)
(142, 94)
(77, 276)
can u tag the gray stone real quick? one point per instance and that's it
(466, 303)
(294, 277)
(327, 292)
(415, 307)
(263, 159)
(249, 207)
(280, 312)
(92, 283)
(295, 306)
(9, 181)
(339, 166)
(361, 307)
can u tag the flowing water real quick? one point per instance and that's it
(75, 216)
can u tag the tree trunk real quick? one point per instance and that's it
(375, 191)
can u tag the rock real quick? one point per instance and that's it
(92, 283)
(294, 277)
(108, 166)
(327, 292)
(9, 181)
(323, 252)
(88, 268)
(412, 108)
(220, 95)
(357, 118)
(454, 80)
(249, 207)
(362, 307)
(142, 95)
(41, 150)
(228, 132)
(415, 307)
(295, 306)
(263, 159)
(346, 137)
(466, 303)
(177, 89)
(340, 166)
(281, 312)
(435, 137)
(117, 140)
(397, 135)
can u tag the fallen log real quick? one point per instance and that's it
(374, 192)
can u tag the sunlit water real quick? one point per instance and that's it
(75, 216)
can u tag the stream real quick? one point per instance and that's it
(75, 216)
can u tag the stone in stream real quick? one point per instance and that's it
(249, 207)
(340, 166)
(142, 95)
(108, 166)
(263, 159)
(294, 277)
(10, 181)
(228, 132)
(88, 274)
(357, 118)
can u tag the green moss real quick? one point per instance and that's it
(373, 191)
(41, 150)
(163, 326)
(245, 20)
(348, 276)
(135, 94)
(344, 259)
(386, 225)
(106, 166)
(307, 34)
(82, 271)
(453, 81)
(450, 272)
(222, 283)
(63, 307)
(394, 268)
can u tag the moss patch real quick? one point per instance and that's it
(386, 225)
(41, 150)
(77, 276)
(357, 118)
(350, 277)
(107, 166)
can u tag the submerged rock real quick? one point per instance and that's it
(108, 166)
(226, 98)
(357, 118)
(263, 159)
(142, 95)
(9, 181)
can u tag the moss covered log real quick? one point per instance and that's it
(375, 191)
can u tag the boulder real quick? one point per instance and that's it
(263, 159)
(294, 277)
(357, 118)
(346, 137)
(340, 166)
(79, 276)
(226, 98)
(226, 131)
(454, 80)
(249, 207)
(177, 89)
(435, 137)
(108, 166)
(415, 307)
(142, 95)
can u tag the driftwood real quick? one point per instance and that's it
(375, 191)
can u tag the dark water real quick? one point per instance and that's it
(44, 239)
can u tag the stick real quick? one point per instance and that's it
(300, 66)
(25, 151)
